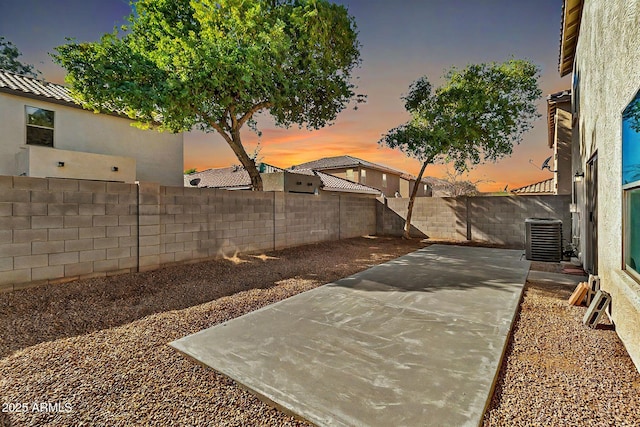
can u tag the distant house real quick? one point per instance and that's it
(390, 182)
(599, 48)
(46, 133)
(276, 179)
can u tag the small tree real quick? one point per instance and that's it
(476, 116)
(214, 64)
(9, 54)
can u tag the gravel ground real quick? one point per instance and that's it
(99, 347)
(558, 372)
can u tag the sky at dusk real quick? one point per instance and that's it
(401, 41)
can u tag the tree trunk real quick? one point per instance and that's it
(248, 163)
(406, 233)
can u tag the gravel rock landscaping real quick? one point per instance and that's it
(559, 372)
(99, 347)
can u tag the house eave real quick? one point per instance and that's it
(570, 30)
(42, 98)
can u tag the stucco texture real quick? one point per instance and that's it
(608, 75)
(158, 155)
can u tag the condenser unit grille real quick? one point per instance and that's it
(543, 239)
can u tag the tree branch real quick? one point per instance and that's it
(234, 119)
(252, 111)
(220, 129)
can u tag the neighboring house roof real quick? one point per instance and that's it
(339, 162)
(333, 183)
(570, 30)
(542, 187)
(237, 178)
(552, 101)
(30, 87)
(234, 177)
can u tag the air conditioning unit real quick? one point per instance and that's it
(543, 239)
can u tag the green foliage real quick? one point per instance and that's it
(190, 171)
(9, 54)
(213, 64)
(476, 116)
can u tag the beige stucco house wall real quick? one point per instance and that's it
(388, 183)
(563, 177)
(371, 177)
(606, 76)
(424, 190)
(156, 156)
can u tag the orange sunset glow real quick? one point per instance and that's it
(400, 42)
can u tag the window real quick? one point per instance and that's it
(39, 126)
(350, 174)
(384, 180)
(631, 185)
(425, 188)
(363, 176)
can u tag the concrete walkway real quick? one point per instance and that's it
(416, 341)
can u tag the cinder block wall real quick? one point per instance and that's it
(201, 223)
(501, 219)
(57, 230)
(435, 217)
(357, 214)
(307, 219)
(497, 220)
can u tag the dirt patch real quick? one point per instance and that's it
(99, 347)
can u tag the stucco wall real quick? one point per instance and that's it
(608, 66)
(159, 156)
(38, 161)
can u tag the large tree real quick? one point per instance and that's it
(9, 61)
(214, 64)
(475, 116)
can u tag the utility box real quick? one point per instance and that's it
(543, 239)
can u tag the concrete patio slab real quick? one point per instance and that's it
(415, 341)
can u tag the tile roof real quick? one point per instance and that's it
(29, 87)
(18, 84)
(344, 162)
(542, 187)
(237, 178)
(234, 177)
